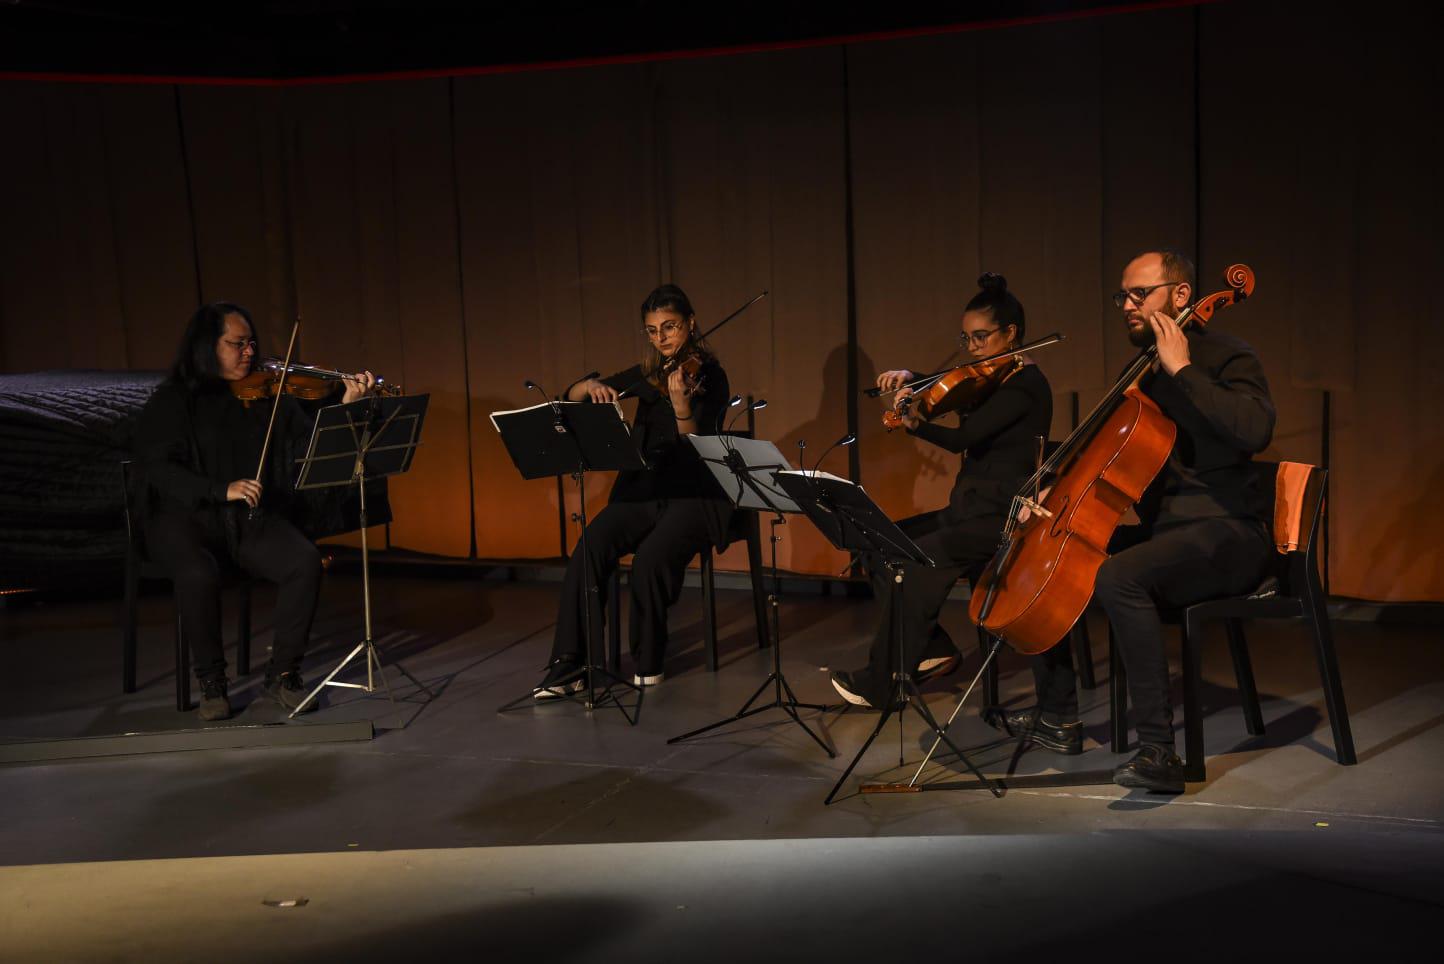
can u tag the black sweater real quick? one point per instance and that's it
(189, 446)
(999, 441)
(1220, 402)
(674, 471)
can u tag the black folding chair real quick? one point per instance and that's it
(139, 566)
(1291, 590)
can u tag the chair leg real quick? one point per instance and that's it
(759, 587)
(1117, 696)
(182, 668)
(709, 609)
(614, 622)
(128, 631)
(243, 631)
(1083, 652)
(1194, 769)
(1318, 619)
(1243, 672)
(990, 675)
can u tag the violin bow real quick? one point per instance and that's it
(276, 400)
(923, 381)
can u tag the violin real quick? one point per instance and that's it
(304, 381)
(964, 387)
(689, 359)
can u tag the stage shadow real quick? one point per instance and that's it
(517, 928)
(571, 811)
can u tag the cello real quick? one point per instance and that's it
(1042, 577)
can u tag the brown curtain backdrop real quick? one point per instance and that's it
(459, 236)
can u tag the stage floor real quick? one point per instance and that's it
(452, 773)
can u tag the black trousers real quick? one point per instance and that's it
(1180, 564)
(663, 536)
(959, 548)
(192, 545)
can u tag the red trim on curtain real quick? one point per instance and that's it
(1145, 6)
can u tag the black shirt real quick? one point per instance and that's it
(999, 440)
(1220, 402)
(674, 470)
(192, 445)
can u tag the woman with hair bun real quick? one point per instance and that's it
(999, 443)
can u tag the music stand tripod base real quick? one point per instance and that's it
(367, 439)
(852, 522)
(746, 468)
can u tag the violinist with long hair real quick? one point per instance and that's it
(197, 449)
(1201, 532)
(664, 514)
(998, 442)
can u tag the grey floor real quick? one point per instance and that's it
(451, 776)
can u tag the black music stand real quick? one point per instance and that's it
(852, 522)
(366, 439)
(745, 467)
(574, 438)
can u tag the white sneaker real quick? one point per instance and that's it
(647, 680)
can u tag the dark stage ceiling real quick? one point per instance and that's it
(321, 38)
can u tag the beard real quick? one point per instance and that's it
(1144, 337)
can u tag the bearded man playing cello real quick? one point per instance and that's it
(1201, 533)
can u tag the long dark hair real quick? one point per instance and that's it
(663, 298)
(995, 298)
(195, 365)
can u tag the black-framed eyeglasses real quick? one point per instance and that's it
(668, 328)
(242, 345)
(1122, 296)
(979, 337)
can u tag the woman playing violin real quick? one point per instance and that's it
(198, 448)
(664, 514)
(999, 441)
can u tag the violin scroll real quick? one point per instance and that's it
(1240, 280)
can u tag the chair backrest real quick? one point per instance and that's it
(1297, 491)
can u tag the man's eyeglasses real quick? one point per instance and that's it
(668, 328)
(242, 345)
(978, 337)
(1137, 295)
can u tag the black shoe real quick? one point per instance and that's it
(934, 666)
(859, 688)
(564, 676)
(215, 705)
(1065, 738)
(288, 690)
(1153, 767)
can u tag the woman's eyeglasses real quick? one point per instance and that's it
(242, 345)
(668, 328)
(978, 337)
